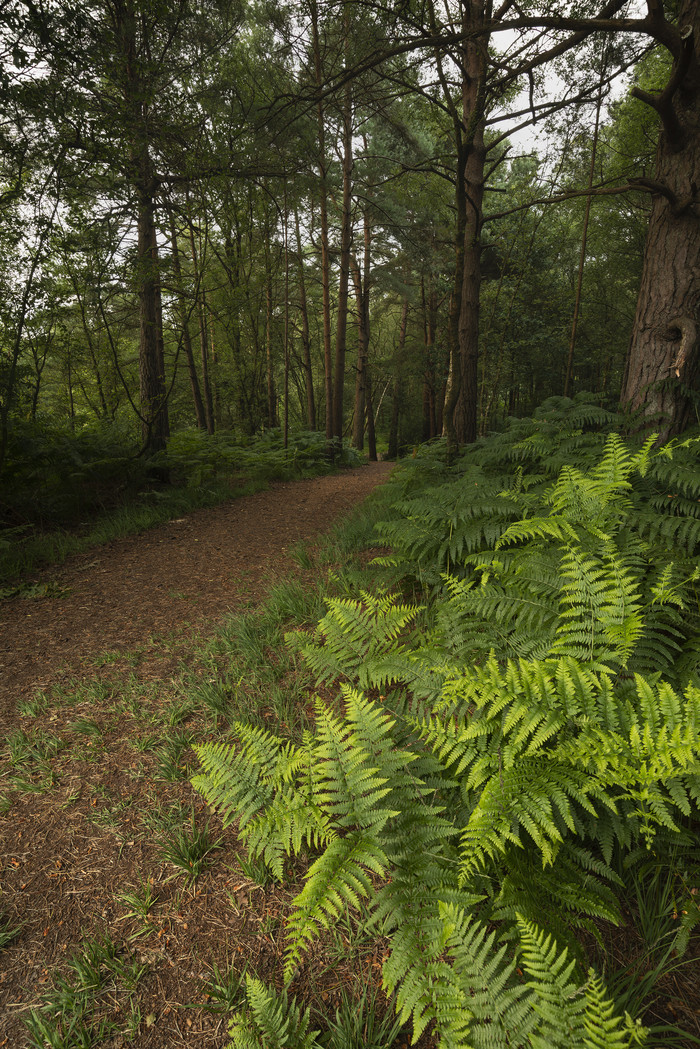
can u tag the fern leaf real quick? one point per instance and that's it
(338, 878)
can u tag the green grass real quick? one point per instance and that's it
(8, 932)
(172, 765)
(361, 1024)
(225, 990)
(77, 1012)
(54, 547)
(188, 849)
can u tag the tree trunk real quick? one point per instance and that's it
(568, 381)
(305, 335)
(202, 317)
(363, 393)
(358, 425)
(186, 337)
(662, 360)
(271, 391)
(155, 427)
(323, 207)
(393, 450)
(429, 305)
(474, 58)
(344, 274)
(453, 384)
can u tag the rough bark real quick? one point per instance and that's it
(662, 361)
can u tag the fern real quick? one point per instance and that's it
(271, 1021)
(544, 727)
(354, 638)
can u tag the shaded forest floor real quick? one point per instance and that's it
(135, 918)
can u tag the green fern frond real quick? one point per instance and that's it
(571, 1016)
(271, 1021)
(354, 636)
(290, 820)
(231, 784)
(339, 878)
(501, 1006)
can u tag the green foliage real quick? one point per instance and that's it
(56, 477)
(271, 1021)
(78, 1012)
(197, 457)
(541, 724)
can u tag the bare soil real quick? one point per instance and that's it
(77, 833)
(168, 581)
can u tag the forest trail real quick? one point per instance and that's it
(165, 583)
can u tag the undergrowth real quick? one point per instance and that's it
(63, 492)
(513, 735)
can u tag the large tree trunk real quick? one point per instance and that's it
(662, 361)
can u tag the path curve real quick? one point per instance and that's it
(168, 580)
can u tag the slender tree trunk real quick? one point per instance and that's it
(568, 381)
(474, 58)
(363, 393)
(358, 425)
(393, 449)
(371, 434)
(323, 208)
(69, 379)
(155, 426)
(203, 342)
(213, 371)
(429, 308)
(305, 335)
(286, 320)
(454, 378)
(662, 362)
(185, 322)
(271, 392)
(344, 270)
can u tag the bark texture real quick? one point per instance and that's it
(662, 362)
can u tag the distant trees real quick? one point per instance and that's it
(313, 212)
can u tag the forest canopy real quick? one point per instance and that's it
(382, 222)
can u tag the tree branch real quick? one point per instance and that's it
(639, 185)
(663, 102)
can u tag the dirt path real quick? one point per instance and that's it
(166, 581)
